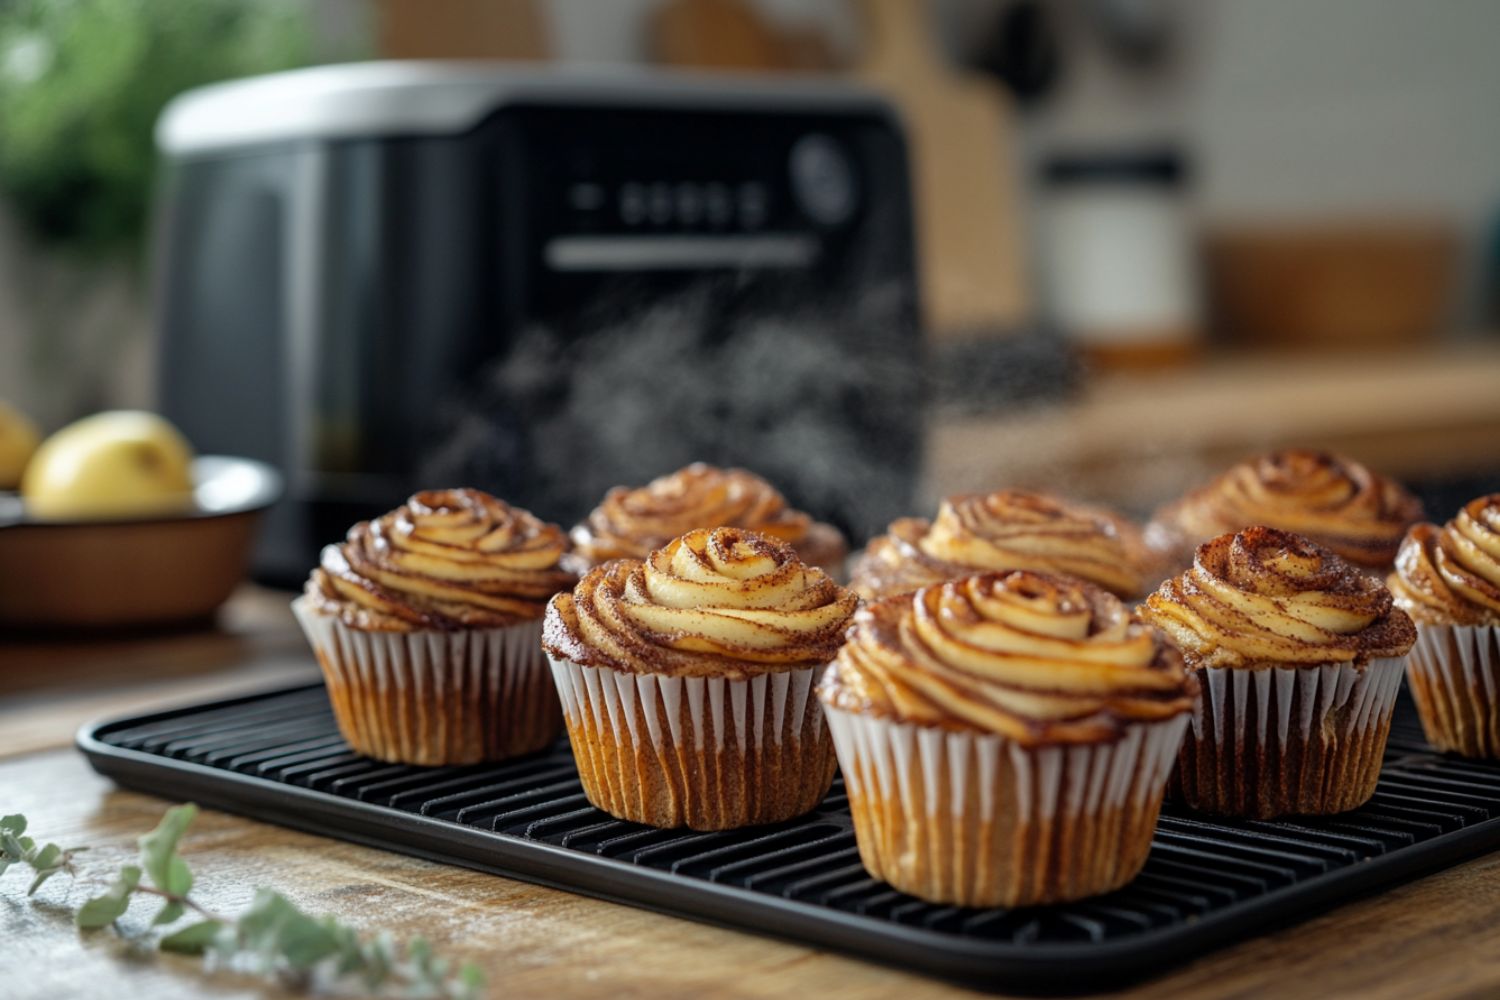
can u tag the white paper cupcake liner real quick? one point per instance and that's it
(1287, 740)
(980, 820)
(1454, 672)
(432, 697)
(702, 752)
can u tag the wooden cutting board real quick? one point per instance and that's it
(462, 29)
(961, 130)
(733, 35)
(711, 34)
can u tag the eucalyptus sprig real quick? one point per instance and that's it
(18, 849)
(272, 938)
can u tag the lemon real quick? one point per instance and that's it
(121, 463)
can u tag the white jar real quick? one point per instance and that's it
(1121, 271)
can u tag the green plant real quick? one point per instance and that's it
(81, 85)
(273, 937)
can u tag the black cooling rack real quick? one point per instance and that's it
(278, 757)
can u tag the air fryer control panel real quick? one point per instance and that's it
(641, 191)
(660, 173)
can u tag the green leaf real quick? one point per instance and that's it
(16, 848)
(419, 953)
(470, 980)
(47, 857)
(257, 925)
(41, 876)
(101, 911)
(179, 878)
(276, 929)
(379, 957)
(171, 911)
(159, 850)
(104, 910)
(304, 944)
(351, 956)
(47, 863)
(194, 939)
(14, 824)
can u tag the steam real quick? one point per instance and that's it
(826, 405)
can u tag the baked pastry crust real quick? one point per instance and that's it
(725, 602)
(1007, 530)
(1332, 500)
(1451, 575)
(630, 523)
(445, 560)
(1264, 597)
(1037, 658)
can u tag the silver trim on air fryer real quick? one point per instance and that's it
(433, 98)
(306, 268)
(680, 253)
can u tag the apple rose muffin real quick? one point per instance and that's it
(686, 680)
(1005, 738)
(1332, 500)
(1299, 655)
(1010, 529)
(631, 523)
(1448, 580)
(427, 624)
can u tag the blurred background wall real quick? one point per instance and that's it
(1293, 111)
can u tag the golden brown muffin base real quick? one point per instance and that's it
(1454, 676)
(434, 698)
(713, 774)
(927, 833)
(1236, 762)
(961, 861)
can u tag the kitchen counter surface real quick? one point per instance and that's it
(1137, 439)
(1439, 937)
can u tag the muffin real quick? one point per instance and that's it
(1011, 529)
(427, 624)
(1332, 500)
(1299, 656)
(1005, 738)
(631, 523)
(686, 680)
(1448, 580)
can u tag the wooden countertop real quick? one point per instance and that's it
(1439, 937)
(1136, 439)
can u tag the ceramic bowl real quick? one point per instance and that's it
(134, 571)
